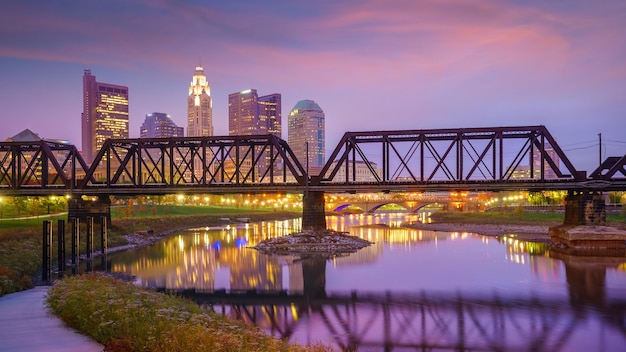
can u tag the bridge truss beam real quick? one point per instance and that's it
(194, 162)
(448, 156)
(39, 164)
(470, 159)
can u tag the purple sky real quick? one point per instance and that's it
(371, 65)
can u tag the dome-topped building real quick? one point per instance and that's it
(306, 128)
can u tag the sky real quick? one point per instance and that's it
(371, 65)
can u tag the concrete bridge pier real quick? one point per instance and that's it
(80, 208)
(313, 211)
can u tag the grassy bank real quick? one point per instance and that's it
(21, 241)
(514, 218)
(135, 319)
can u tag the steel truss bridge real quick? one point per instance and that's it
(474, 159)
(425, 321)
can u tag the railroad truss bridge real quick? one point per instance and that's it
(466, 159)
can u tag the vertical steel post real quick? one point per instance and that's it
(46, 251)
(61, 244)
(75, 228)
(89, 237)
(103, 235)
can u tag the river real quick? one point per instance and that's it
(410, 290)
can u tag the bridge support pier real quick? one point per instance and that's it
(313, 211)
(584, 208)
(81, 209)
(584, 229)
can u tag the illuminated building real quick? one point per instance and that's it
(249, 114)
(199, 106)
(270, 112)
(362, 172)
(105, 114)
(160, 125)
(306, 131)
(523, 171)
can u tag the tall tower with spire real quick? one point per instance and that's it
(199, 106)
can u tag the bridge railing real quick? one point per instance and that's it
(449, 155)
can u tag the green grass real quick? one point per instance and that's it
(138, 211)
(28, 222)
(125, 317)
(514, 218)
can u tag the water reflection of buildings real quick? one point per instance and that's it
(535, 255)
(206, 259)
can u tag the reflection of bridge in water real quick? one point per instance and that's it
(431, 320)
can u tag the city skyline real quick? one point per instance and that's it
(372, 65)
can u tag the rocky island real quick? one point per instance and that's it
(326, 243)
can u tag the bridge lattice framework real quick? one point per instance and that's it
(469, 159)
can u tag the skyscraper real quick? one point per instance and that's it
(160, 125)
(306, 126)
(270, 114)
(105, 114)
(249, 114)
(199, 106)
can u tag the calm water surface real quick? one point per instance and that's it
(411, 290)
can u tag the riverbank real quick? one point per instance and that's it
(530, 233)
(531, 227)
